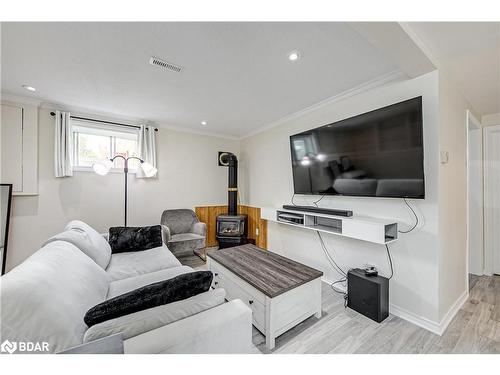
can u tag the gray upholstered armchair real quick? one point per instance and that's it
(183, 232)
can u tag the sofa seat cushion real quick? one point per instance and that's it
(181, 237)
(46, 297)
(123, 286)
(135, 263)
(163, 292)
(143, 321)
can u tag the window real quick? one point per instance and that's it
(304, 145)
(93, 142)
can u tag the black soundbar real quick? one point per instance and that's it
(318, 210)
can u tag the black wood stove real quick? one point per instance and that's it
(232, 229)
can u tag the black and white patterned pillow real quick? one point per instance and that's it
(127, 239)
(161, 293)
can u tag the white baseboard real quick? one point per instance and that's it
(405, 314)
(453, 311)
(437, 328)
(430, 325)
(418, 320)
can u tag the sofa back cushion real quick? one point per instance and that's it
(82, 240)
(124, 265)
(179, 220)
(45, 298)
(98, 248)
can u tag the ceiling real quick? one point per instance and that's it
(470, 52)
(236, 76)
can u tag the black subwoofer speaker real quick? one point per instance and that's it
(368, 295)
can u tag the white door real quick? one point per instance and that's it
(475, 195)
(12, 146)
(492, 199)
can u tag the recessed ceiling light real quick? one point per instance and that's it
(204, 123)
(29, 88)
(294, 56)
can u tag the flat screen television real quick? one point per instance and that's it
(375, 154)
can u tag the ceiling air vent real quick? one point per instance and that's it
(165, 64)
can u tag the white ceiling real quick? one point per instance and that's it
(470, 52)
(236, 75)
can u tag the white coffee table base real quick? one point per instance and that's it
(271, 316)
(291, 308)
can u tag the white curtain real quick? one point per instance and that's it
(147, 148)
(63, 149)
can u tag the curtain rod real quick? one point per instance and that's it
(102, 121)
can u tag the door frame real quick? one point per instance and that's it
(488, 250)
(472, 123)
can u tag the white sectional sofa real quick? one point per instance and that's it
(45, 298)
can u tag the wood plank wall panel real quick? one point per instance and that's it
(262, 238)
(208, 215)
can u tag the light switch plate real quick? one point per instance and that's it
(444, 157)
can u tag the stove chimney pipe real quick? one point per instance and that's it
(232, 187)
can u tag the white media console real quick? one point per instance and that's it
(363, 228)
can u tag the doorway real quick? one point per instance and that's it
(475, 196)
(492, 200)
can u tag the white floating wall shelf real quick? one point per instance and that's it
(363, 228)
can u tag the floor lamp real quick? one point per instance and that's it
(103, 167)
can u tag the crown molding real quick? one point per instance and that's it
(393, 76)
(106, 116)
(7, 96)
(406, 26)
(408, 29)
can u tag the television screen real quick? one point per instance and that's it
(376, 154)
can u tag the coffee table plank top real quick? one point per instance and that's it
(270, 273)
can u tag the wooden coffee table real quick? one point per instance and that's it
(281, 292)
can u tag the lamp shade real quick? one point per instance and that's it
(102, 167)
(148, 169)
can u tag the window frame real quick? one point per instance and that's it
(107, 130)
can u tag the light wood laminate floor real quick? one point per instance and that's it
(475, 329)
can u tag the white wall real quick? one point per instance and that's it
(452, 196)
(188, 175)
(266, 164)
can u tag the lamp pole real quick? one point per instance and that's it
(125, 170)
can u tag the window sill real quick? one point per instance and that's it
(112, 170)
